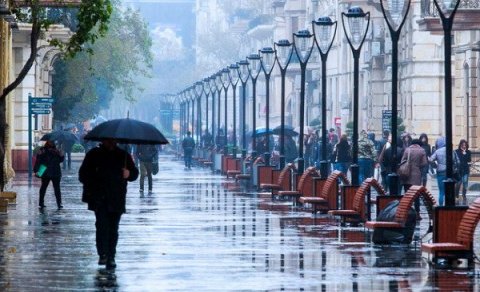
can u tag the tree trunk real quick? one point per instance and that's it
(36, 28)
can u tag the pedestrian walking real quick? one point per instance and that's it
(104, 174)
(147, 156)
(464, 158)
(366, 156)
(428, 151)
(387, 165)
(439, 158)
(417, 159)
(291, 151)
(47, 168)
(342, 155)
(188, 144)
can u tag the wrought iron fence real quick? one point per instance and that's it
(475, 166)
(429, 9)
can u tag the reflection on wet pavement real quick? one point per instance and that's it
(195, 232)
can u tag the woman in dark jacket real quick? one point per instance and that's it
(428, 150)
(104, 174)
(342, 155)
(464, 158)
(49, 159)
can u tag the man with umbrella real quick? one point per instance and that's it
(188, 144)
(104, 174)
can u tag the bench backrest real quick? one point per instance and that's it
(306, 178)
(468, 224)
(330, 188)
(285, 174)
(407, 200)
(359, 199)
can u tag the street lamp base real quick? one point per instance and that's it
(301, 165)
(355, 171)
(324, 169)
(267, 156)
(393, 184)
(281, 163)
(234, 152)
(449, 192)
(225, 150)
(244, 154)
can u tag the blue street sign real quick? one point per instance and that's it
(40, 111)
(41, 100)
(41, 105)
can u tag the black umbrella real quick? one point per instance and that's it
(289, 131)
(128, 131)
(60, 136)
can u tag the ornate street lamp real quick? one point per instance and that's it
(206, 90)
(219, 85)
(213, 88)
(322, 29)
(225, 77)
(395, 13)
(198, 92)
(254, 66)
(244, 74)
(233, 76)
(303, 44)
(447, 10)
(283, 55)
(267, 59)
(358, 23)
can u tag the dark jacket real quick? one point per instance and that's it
(101, 176)
(51, 157)
(342, 152)
(146, 153)
(464, 160)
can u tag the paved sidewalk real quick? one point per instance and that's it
(191, 234)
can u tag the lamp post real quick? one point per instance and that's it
(206, 90)
(303, 44)
(191, 92)
(395, 13)
(322, 29)
(283, 55)
(243, 74)
(254, 67)
(355, 33)
(213, 88)
(233, 77)
(225, 77)
(219, 85)
(187, 99)
(447, 10)
(198, 92)
(267, 59)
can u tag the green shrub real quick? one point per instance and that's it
(78, 148)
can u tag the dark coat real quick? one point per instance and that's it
(101, 176)
(147, 153)
(342, 152)
(51, 157)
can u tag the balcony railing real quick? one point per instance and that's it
(430, 10)
(467, 17)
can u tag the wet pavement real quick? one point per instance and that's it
(194, 234)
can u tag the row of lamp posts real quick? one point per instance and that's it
(355, 25)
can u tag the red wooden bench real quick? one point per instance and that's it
(283, 182)
(358, 213)
(462, 247)
(404, 206)
(304, 184)
(328, 197)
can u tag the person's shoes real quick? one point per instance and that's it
(102, 260)
(60, 207)
(41, 207)
(419, 217)
(111, 264)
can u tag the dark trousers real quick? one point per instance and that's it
(56, 190)
(187, 153)
(67, 160)
(107, 231)
(146, 171)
